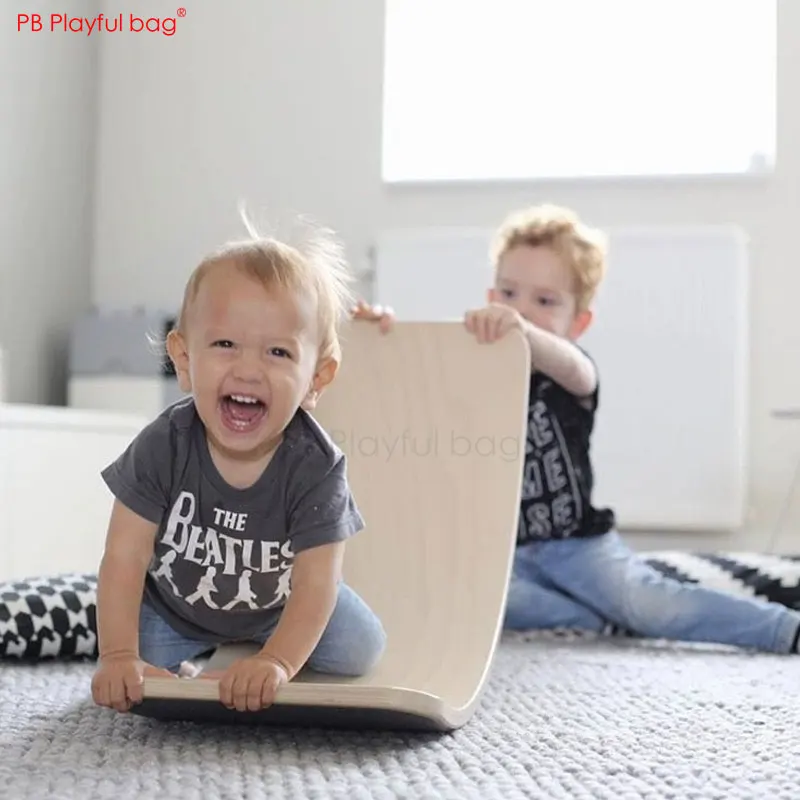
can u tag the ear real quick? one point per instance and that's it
(324, 375)
(583, 319)
(179, 355)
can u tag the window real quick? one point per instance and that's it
(526, 89)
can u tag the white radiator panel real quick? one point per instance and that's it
(670, 338)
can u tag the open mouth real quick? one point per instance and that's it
(242, 413)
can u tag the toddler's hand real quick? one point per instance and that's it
(251, 683)
(492, 322)
(118, 681)
(383, 316)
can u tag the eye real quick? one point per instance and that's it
(547, 301)
(280, 352)
(226, 343)
(507, 293)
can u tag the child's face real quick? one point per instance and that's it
(249, 357)
(535, 282)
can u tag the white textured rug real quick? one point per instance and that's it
(562, 718)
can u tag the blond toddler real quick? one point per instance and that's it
(232, 508)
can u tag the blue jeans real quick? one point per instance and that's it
(591, 583)
(352, 643)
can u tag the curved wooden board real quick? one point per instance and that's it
(433, 425)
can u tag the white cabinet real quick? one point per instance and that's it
(53, 502)
(125, 394)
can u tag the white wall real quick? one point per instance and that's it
(281, 103)
(48, 113)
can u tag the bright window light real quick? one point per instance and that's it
(527, 89)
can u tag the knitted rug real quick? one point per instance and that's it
(562, 717)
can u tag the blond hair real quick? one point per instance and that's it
(317, 269)
(583, 249)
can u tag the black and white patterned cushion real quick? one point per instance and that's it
(49, 617)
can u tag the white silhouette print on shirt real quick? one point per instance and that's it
(204, 589)
(216, 567)
(283, 589)
(244, 595)
(165, 570)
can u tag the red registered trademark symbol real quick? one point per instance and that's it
(181, 12)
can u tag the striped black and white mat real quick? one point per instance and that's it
(771, 577)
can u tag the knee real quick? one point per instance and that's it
(364, 651)
(651, 610)
(351, 650)
(368, 658)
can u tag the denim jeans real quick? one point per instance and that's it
(591, 583)
(351, 644)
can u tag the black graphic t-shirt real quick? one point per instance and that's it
(222, 563)
(558, 478)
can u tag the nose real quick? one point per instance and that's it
(248, 367)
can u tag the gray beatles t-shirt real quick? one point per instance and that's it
(222, 563)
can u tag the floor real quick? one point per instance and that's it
(562, 717)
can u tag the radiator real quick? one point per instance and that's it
(670, 338)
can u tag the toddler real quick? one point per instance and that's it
(232, 507)
(571, 568)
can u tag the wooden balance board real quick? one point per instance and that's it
(433, 426)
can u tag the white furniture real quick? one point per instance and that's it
(53, 501)
(128, 394)
(117, 362)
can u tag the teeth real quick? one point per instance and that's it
(240, 398)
